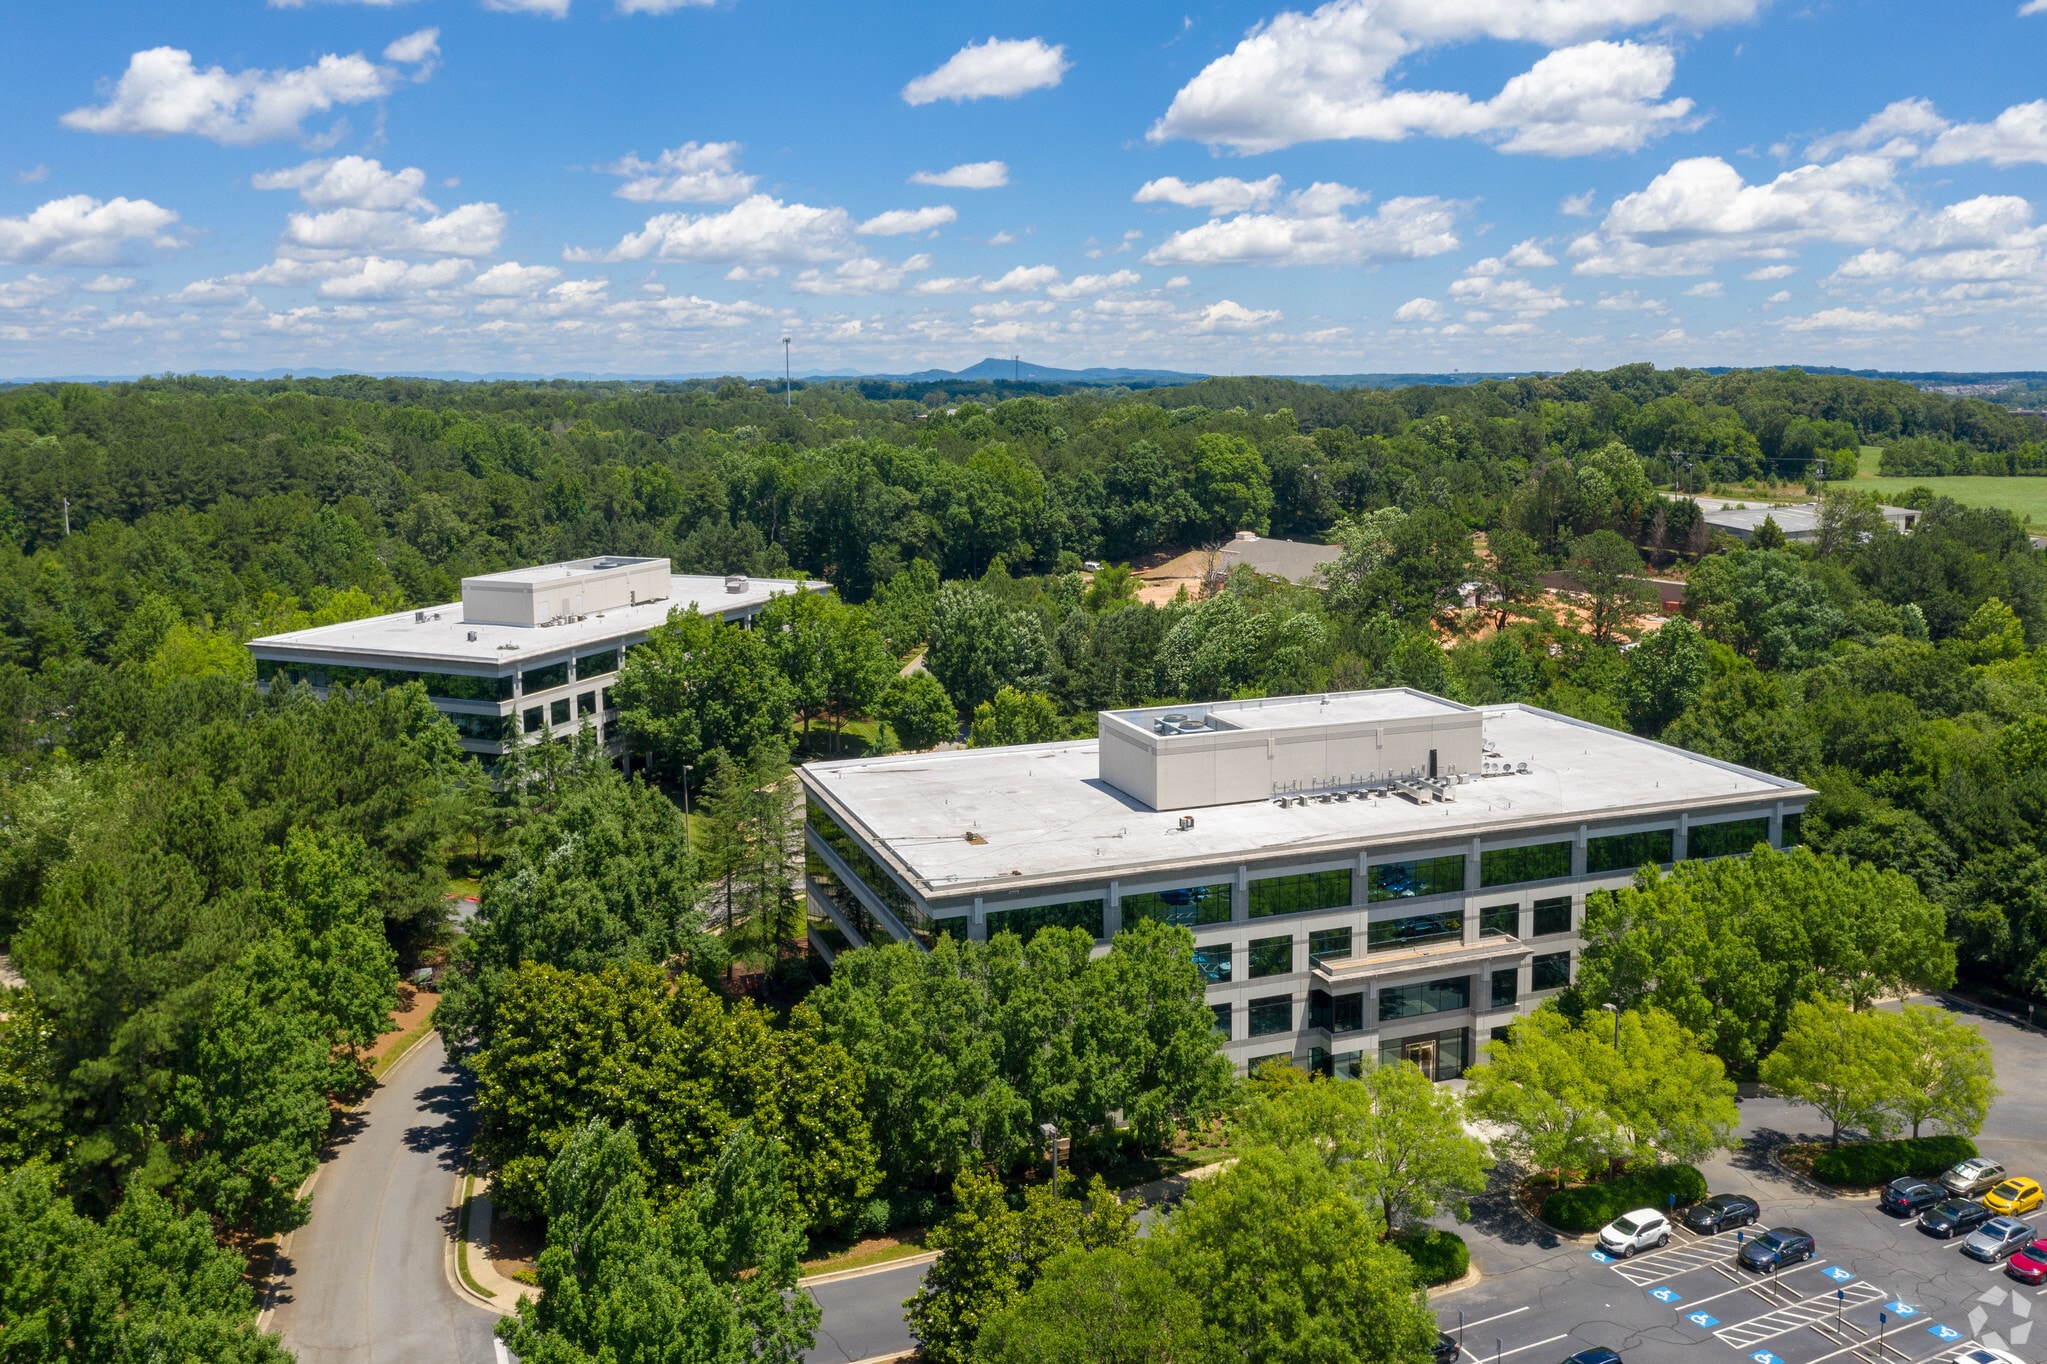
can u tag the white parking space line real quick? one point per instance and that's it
(1945, 1352)
(1499, 1317)
(1820, 1308)
(1672, 1261)
(1760, 1281)
(1509, 1354)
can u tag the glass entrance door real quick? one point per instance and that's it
(1422, 1052)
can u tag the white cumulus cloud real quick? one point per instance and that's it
(1224, 194)
(552, 9)
(966, 175)
(368, 209)
(694, 173)
(1311, 228)
(1229, 315)
(860, 276)
(899, 222)
(80, 230)
(1000, 68)
(1086, 286)
(1323, 75)
(759, 229)
(1851, 320)
(163, 93)
(377, 277)
(512, 280)
(1419, 310)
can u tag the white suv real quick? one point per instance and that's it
(1642, 1229)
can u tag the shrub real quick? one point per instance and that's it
(1439, 1256)
(1863, 1164)
(1588, 1207)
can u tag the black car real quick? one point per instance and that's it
(1953, 1217)
(1778, 1248)
(1908, 1197)
(1723, 1212)
(1596, 1355)
(1446, 1348)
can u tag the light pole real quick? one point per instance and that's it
(1051, 1136)
(686, 770)
(788, 389)
(1615, 1011)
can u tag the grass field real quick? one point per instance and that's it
(2027, 497)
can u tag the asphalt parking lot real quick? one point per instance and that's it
(1542, 1296)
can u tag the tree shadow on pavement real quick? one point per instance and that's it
(1496, 1213)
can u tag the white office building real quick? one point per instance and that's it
(527, 654)
(1368, 875)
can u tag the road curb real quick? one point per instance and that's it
(1470, 1276)
(1777, 1162)
(842, 1275)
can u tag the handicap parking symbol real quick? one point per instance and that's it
(1901, 1309)
(1765, 1357)
(1600, 1256)
(1705, 1321)
(1838, 1274)
(1669, 1295)
(1944, 1333)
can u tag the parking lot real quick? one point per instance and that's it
(1879, 1291)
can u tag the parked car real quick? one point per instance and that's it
(1446, 1349)
(1953, 1217)
(1723, 1212)
(1995, 1239)
(2029, 1265)
(1968, 1178)
(1908, 1197)
(1597, 1355)
(1642, 1229)
(1778, 1248)
(2014, 1197)
(1983, 1354)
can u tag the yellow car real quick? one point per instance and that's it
(2014, 1196)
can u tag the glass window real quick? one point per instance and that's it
(540, 679)
(1728, 839)
(1551, 972)
(1222, 1019)
(1625, 852)
(1318, 1061)
(1417, 930)
(1269, 1016)
(1450, 1052)
(1271, 956)
(491, 727)
(1347, 1013)
(1794, 830)
(1506, 987)
(1191, 906)
(1429, 997)
(1321, 1008)
(1499, 921)
(877, 882)
(558, 711)
(586, 703)
(850, 906)
(1510, 866)
(1553, 916)
(1348, 1065)
(597, 664)
(1025, 923)
(609, 704)
(1295, 894)
(1328, 944)
(1497, 1034)
(1213, 961)
(462, 687)
(536, 719)
(1424, 876)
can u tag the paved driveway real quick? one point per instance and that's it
(1542, 1296)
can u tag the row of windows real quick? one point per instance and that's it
(446, 686)
(1346, 1013)
(1193, 906)
(877, 881)
(1550, 916)
(1025, 923)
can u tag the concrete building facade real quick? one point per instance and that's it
(1367, 875)
(526, 655)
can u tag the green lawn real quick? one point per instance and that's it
(2027, 497)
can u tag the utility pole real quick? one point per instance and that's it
(788, 391)
(67, 518)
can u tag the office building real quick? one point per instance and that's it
(1367, 875)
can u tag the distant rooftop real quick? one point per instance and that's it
(1045, 815)
(1296, 561)
(1797, 520)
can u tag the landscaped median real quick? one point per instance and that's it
(1871, 1164)
(1440, 1256)
(1580, 1208)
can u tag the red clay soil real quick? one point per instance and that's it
(414, 1007)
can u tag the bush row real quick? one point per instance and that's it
(1862, 1164)
(1588, 1207)
(1439, 1256)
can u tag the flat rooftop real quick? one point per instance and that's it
(1301, 712)
(1048, 818)
(443, 636)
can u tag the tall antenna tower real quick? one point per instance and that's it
(788, 389)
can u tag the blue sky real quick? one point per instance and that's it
(653, 186)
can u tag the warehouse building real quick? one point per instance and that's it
(1368, 875)
(527, 654)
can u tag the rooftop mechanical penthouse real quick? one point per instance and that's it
(526, 655)
(1368, 875)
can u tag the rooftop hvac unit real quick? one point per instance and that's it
(735, 582)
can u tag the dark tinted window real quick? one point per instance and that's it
(1271, 956)
(1025, 923)
(1625, 852)
(539, 679)
(1499, 921)
(1550, 972)
(1435, 996)
(596, 665)
(1191, 906)
(1328, 943)
(1424, 876)
(1296, 894)
(1508, 866)
(1269, 1016)
(1213, 961)
(1553, 916)
(1727, 839)
(1415, 931)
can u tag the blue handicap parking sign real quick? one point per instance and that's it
(1945, 1333)
(1600, 1256)
(1705, 1321)
(1901, 1309)
(1669, 1295)
(1765, 1357)
(1838, 1274)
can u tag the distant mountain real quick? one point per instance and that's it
(1023, 371)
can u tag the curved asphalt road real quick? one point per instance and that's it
(363, 1281)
